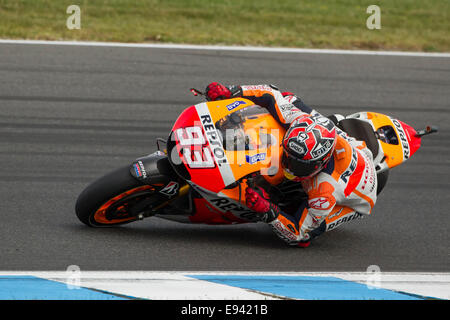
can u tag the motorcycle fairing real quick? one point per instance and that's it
(191, 153)
(196, 145)
(202, 153)
(153, 168)
(219, 208)
(397, 140)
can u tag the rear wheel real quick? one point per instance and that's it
(115, 199)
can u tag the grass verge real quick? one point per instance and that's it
(410, 25)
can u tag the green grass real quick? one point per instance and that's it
(416, 25)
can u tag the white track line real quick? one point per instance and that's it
(178, 284)
(228, 48)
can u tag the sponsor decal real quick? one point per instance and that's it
(280, 230)
(286, 107)
(296, 147)
(369, 175)
(215, 143)
(351, 168)
(224, 205)
(322, 148)
(235, 104)
(214, 139)
(320, 203)
(255, 158)
(289, 112)
(139, 169)
(227, 205)
(403, 139)
(291, 115)
(257, 87)
(351, 217)
(171, 189)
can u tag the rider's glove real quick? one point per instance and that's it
(258, 200)
(305, 242)
(216, 91)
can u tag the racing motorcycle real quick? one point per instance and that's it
(214, 151)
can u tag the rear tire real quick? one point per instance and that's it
(104, 202)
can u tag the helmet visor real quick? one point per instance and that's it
(301, 168)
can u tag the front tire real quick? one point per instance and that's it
(107, 201)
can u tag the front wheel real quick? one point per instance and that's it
(114, 199)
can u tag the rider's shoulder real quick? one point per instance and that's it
(341, 159)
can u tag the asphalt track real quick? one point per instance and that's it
(70, 114)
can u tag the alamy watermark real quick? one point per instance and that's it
(74, 20)
(200, 150)
(373, 279)
(374, 20)
(73, 277)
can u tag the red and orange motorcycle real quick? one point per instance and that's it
(214, 151)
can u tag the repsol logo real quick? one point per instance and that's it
(296, 147)
(403, 138)
(226, 205)
(214, 140)
(351, 168)
(139, 168)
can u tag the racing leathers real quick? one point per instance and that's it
(344, 190)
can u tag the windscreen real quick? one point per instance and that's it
(237, 130)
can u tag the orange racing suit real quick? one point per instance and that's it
(344, 190)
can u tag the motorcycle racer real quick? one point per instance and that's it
(336, 171)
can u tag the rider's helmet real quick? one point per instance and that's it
(308, 146)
